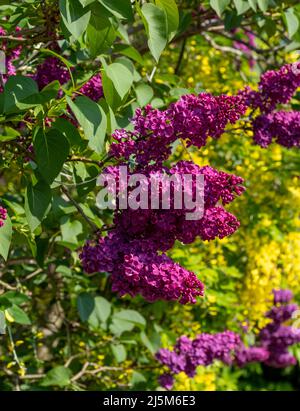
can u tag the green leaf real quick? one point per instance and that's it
(37, 202)
(269, 27)
(111, 96)
(75, 17)
(86, 2)
(9, 134)
(70, 132)
(219, 6)
(85, 178)
(126, 320)
(19, 315)
(17, 89)
(92, 119)
(144, 94)
(58, 376)
(253, 4)
(85, 306)
(137, 378)
(21, 93)
(241, 6)
(70, 230)
(121, 77)
(147, 343)
(119, 352)
(100, 313)
(171, 10)
(2, 323)
(51, 151)
(14, 297)
(17, 208)
(129, 51)
(122, 9)
(100, 31)
(291, 21)
(155, 21)
(263, 5)
(5, 238)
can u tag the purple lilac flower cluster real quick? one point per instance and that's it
(274, 340)
(282, 296)
(11, 55)
(131, 253)
(3, 216)
(52, 68)
(282, 126)
(188, 354)
(193, 118)
(275, 87)
(93, 88)
(137, 268)
(277, 337)
(163, 227)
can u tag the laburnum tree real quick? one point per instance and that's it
(89, 296)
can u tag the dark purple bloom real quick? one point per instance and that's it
(3, 216)
(283, 127)
(275, 87)
(282, 296)
(166, 381)
(93, 88)
(51, 69)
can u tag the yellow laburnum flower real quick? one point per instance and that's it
(22, 371)
(8, 316)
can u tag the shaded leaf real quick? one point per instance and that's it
(75, 16)
(51, 151)
(155, 21)
(58, 376)
(119, 352)
(121, 77)
(92, 119)
(18, 315)
(5, 238)
(121, 9)
(85, 306)
(37, 202)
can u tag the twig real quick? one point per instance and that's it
(12, 343)
(181, 54)
(32, 376)
(81, 372)
(33, 274)
(94, 227)
(186, 150)
(150, 78)
(21, 260)
(225, 49)
(84, 160)
(73, 357)
(7, 286)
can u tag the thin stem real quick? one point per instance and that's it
(181, 54)
(83, 160)
(12, 343)
(186, 150)
(80, 210)
(7, 286)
